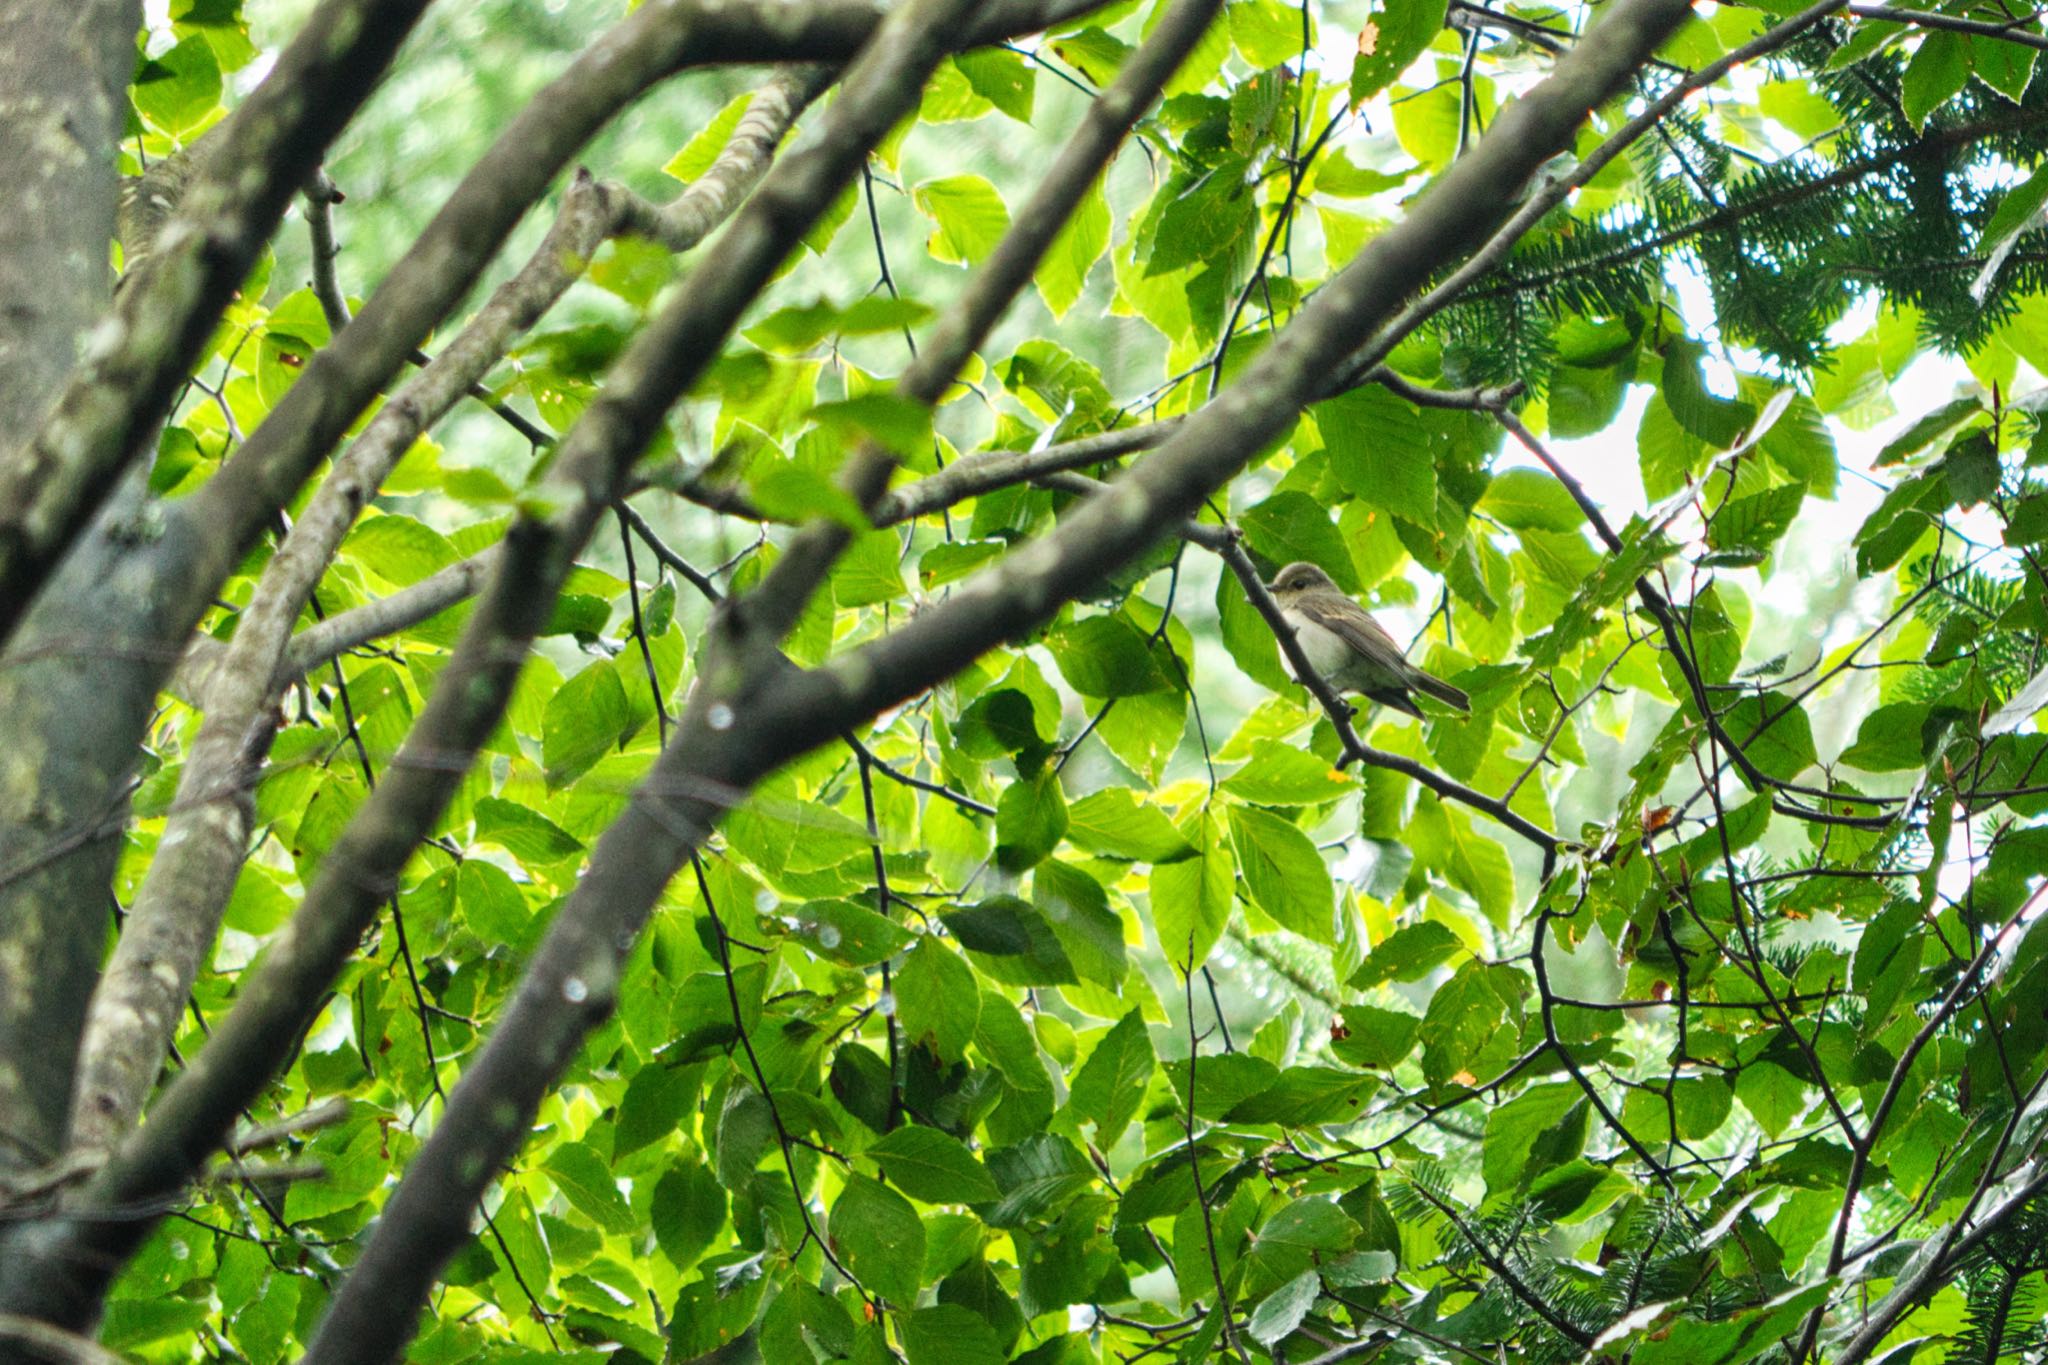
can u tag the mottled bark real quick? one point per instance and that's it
(176, 914)
(55, 481)
(63, 77)
(752, 711)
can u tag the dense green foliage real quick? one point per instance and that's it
(1097, 1004)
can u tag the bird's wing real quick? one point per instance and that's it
(1356, 629)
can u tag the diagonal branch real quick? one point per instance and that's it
(588, 474)
(176, 914)
(1340, 717)
(427, 1219)
(51, 485)
(769, 613)
(721, 747)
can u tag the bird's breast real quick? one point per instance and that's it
(1325, 649)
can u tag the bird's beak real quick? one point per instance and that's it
(1270, 587)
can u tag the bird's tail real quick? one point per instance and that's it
(1438, 688)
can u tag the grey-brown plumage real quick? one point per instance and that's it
(1350, 649)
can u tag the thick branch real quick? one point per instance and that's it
(721, 748)
(63, 69)
(427, 1219)
(361, 870)
(172, 924)
(995, 282)
(50, 487)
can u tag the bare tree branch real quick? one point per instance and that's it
(172, 923)
(51, 485)
(63, 72)
(741, 725)
(769, 613)
(588, 474)
(427, 1219)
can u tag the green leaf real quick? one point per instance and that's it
(1286, 775)
(1221, 1082)
(1889, 738)
(937, 1001)
(1191, 898)
(1512, 1129)
(1575, 1191)
(791, 492)
(1464, 1016)
(1745, 530)
(1932, 426)
(955, 560)
(1287, 878)
(1370, 1036)
(898, 424)
(1011, 942)
(1522, 499)
(1302, 1096)
(658, 1099)
(1114, 822)
(1247, 636)
(1311, 1230)
(584, 1179)
(1106, 656)
(1408, 954)
(2006, 67)
(878, 1234)
(527, 835)
(700, 151)
(950, 1334)
(354, 1166)
(1700, 1104)
(133, 1323)
(1077, 907)
(799, 327)
(870, 571)
(1937, 73)
(783, 836)
(586, 719)
(1067, 390)
(1002, 78)
(745, 1134)
(398, 549)
(929, 1165)
(1203, 217)
(998, 724)
(1292, 525)
(1081, 243)
(1735, 1339)
(849, 934)
(1774, 732)
(1397, 33)
(970, 215)
(1110, 1086)
(1285, 1309)
(1038, 1175)
(1267, 32)
(1382, 449)
(180, 89)
(1031, 819)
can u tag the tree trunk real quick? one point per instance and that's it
(64, 71)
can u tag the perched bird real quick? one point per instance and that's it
(1348, 647)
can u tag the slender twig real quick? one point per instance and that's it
(2011, 31)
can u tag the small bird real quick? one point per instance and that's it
(1349, 648)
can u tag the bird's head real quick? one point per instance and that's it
(1298, 578)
